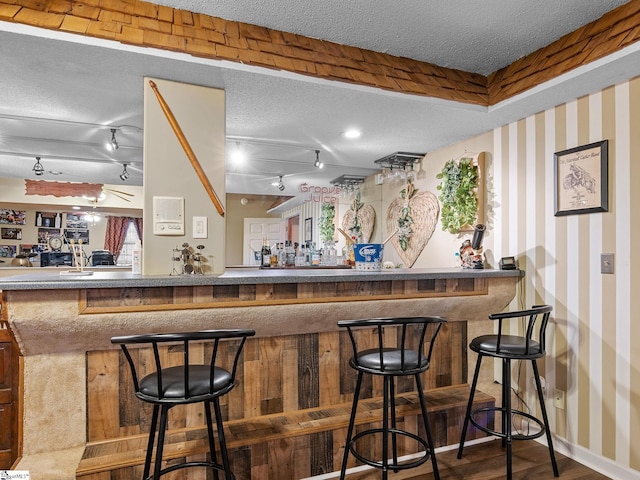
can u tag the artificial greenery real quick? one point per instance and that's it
(406, 220)
(458, 194)
(356, 229)
(328, 212)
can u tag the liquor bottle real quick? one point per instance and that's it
(290, 254)
(282, 255)
(316, 257)
(300, 256)
(274, 255)
(265, 254)
(307, 255)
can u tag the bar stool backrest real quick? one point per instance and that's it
(533, 347)
(396, 355)
(216, 387)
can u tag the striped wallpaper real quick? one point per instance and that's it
(595, 340)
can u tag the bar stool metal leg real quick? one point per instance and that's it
(152, 436)
(385, 430)
(427, 428)
(164, 413)
(221, 439)
(352, 420)
(506, 413)
(212, 445)
(545, 419)
(467, 415)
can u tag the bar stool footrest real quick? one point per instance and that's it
(517, 436)
(391, 466)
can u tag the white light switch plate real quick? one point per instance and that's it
(199, 227)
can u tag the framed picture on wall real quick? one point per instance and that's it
(8, 251)
(11, 233)
(582, 179)
(76, 236)
(26, 248)
(75, 220)
(45, 233)
(12, 217)
(308, 229)
(48, 220)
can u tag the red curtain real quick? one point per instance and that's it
(138, 223)
(116, 233)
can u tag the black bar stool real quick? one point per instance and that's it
(512, 347)
(394, 356)
(175, 385)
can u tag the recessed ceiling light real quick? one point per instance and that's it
(351, 133)
(237, 154)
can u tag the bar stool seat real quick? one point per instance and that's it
(402, 355)
(172, 385)
(508, 348)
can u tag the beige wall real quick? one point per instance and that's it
(200, 113)
(256, 207)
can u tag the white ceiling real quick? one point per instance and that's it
(89, 86)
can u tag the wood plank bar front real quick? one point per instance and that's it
(78, 396)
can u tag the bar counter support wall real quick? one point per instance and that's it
(55, 335)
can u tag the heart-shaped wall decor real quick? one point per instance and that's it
(366, 216)
(423, 211)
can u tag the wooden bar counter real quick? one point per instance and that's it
(287, 417)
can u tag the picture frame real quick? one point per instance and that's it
(12, 217)
(581, 177)
(76, 236)
(308, 229)
(11, 233)
(45, 233)
(48, 220)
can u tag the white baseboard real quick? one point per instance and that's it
(586, 457)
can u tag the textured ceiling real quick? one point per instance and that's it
(478, 36)
(57, 76)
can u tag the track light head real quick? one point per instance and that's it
(38, 169)
(280, 184)
(124, 175)
(318, 163)
(113, 143)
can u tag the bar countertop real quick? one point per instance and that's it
(54, 280)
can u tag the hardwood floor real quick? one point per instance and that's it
(486, 461)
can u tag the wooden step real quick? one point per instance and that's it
(130, 451)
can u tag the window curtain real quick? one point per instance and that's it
(138, 223)
(116, 233)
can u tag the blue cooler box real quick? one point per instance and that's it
(368, 256)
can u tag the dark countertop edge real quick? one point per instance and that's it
(55, 281)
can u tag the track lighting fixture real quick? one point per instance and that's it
(280, 184)
(318, 163)
(38, 169)
(113, 143)
(124, 175)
